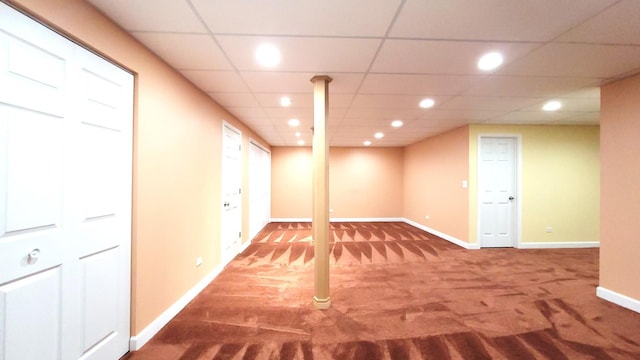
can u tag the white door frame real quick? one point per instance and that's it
(225, 258)
(517, 218)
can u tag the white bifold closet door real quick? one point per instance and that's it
(259, 188)
(66, 120)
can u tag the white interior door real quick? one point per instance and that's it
(231, 192)
(497, 191)
(259, 189)
(65, 197)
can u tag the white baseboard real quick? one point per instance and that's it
(618, 299)
(244, 246)
(137, 341)
(449, 238)
(559, 245)
(276, 220)
(366, 219)
(340, 219)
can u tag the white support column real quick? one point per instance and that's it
(320, 224)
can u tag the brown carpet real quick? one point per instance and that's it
(399, 293)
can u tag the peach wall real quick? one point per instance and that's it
(620, 190)
(291, 169)
(177, 162)
(560, 181)
(433, 173)
(364, 182)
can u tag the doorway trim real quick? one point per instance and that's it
(251, 175)
(225, 257)
(517, 219)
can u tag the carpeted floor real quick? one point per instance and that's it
(399, 293)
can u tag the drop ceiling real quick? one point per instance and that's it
(386, 55)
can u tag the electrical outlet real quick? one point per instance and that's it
(549, 229)
(199, 261)
(330, 210)
(426, 217)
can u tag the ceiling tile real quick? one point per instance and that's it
(570, 104)
(273, 99)
(384, 114)
(470, 115)
(499, 103)
(216, 81)
(186, 51)
(148, 15)
(300, 17)
(592, 92)
(304, 54)
(386, 55)
(529, 86)
(579, 60)
(616, 25)
(534, 117)
(441, 57)
(298, 82)
(304, 115)
(587, 118)
(495, 20)
(423, 85)
(378, 101)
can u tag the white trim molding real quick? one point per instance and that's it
(559, 245)
(137, 341)
(618, 299)
(366, 219)
(278, 220)
(340, 220)
(244, 247)
(449, 238)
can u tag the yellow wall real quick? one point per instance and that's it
(560, 181)
(433, 173)
(620, 194)
(177, 162)
(364, 182)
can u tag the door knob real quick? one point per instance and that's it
(32, 257)
(511, 198)
(226, 204)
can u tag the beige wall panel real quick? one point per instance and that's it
(433, 173)
(620, 191)
(364, 182)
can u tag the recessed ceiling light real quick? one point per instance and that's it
(366, 143)
(427, 103)
(552, 105)
(301, 142)
(297, 133)
(396, 123)
(490, 61)
(268, 55)
(378, 135)
(294, 122)
(285, 101)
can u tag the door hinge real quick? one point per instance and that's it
(240, 191)
(239, 234)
